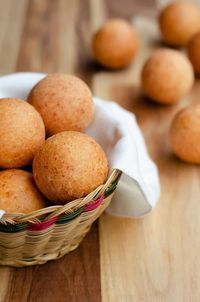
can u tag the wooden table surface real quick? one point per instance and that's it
(121, 260)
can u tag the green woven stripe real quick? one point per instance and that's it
(67, 217)
(108, 193)
(110, 189)
(12, 228)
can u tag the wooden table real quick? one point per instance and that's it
(121, 260)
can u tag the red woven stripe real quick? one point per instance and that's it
(41, 225)
(94, 205)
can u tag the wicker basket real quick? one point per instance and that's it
(54, 231)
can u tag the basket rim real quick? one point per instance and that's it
(53, 211)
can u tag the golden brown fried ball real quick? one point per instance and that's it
(185, 134)
(194, 52)
(115, 44)
(64, 102)
(69, 165)
(179, 21)
(22, 132)
(18, 193)
(167, 76)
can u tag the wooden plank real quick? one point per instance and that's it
(11, 20)
(4, 280)
(128, 8)
(154, 258)
(98, 14)
(50, 43)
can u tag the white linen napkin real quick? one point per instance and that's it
(117, 132)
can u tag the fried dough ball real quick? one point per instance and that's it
(179, 21)
(69, 165)
(115, 44)
(167, 76)
(64, 102)
(22, 132)
(18, 193)
(185, 134)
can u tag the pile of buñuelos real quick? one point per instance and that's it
(45, 135)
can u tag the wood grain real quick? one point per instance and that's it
(48, 43)
(51, 32)
(12, 15)
(129, 8)
(153, 259)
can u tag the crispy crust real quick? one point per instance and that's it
(22, 132)
(179, 22)
(18, 193)
(115, 44)
(69, 165)
(167, 76)
(185, 134)
(64, 102)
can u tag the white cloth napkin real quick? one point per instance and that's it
(117, 132)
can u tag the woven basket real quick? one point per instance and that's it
(50, 233)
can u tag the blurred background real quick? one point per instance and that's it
(44, 35)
